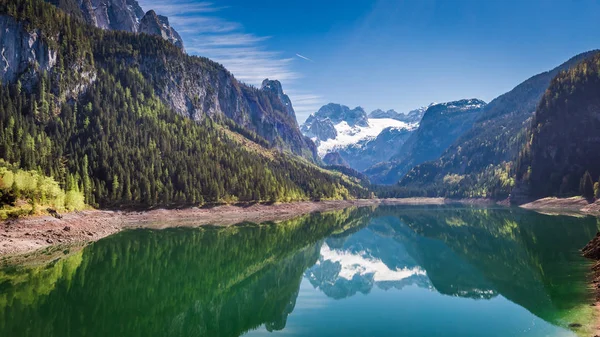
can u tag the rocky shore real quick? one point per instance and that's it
(24, 235)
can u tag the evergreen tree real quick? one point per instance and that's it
(587, 186)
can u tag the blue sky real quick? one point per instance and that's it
(385, 54)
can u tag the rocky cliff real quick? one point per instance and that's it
(275, 88)
(158, 25)
(26, 53)
(192, 86)
(122, 15)
(197, 88)
(112, 14)
(22, 53)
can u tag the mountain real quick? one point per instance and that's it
(441, 125)
(357, 263)
(275, 88)
(122, 15)
(368, 151)
(413, 116)
(338, 113)
(359, 140)
(561, 155)
(112, 14)
(130, 120)
(158, 25)
(480, 161)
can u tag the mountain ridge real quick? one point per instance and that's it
(480, 162)
(441, 125)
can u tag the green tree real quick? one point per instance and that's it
(587, 186)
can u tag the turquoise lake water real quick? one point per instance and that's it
(387, 271)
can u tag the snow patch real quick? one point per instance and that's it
(350, 135)
(361, 264)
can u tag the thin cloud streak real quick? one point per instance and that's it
(207, 34)
(304, 57)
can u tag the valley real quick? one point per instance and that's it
(168, 170)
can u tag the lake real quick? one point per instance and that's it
(386, 271)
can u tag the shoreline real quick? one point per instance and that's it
(577, 207)
(29, 234)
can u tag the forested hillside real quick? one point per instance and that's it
(92, 109)
(560, 157)
(481, 162)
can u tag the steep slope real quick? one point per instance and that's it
(197, 87)
(112, 135)
(480, 161)
(561, 153)
(441, 125)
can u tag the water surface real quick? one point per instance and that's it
(389, 271)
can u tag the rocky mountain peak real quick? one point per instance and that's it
(274, 86)
(413, 116)
(158, 25)
(340, 113)
(378, 113)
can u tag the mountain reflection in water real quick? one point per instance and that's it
(520, 266)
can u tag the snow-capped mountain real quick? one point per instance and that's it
(361, 140)
(362, 261)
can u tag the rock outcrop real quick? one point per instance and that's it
(112, 14)
(23, 54)
(158, 25)
(275, 88)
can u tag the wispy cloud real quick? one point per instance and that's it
(207, 33)
(304, 57)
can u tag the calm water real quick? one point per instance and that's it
(391, 271)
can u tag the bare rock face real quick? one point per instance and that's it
(158, 25)
(22, 51)
(274, 86)
(112, 14)
(24, 55)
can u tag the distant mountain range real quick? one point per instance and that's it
(360, 140)
(413, 116)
